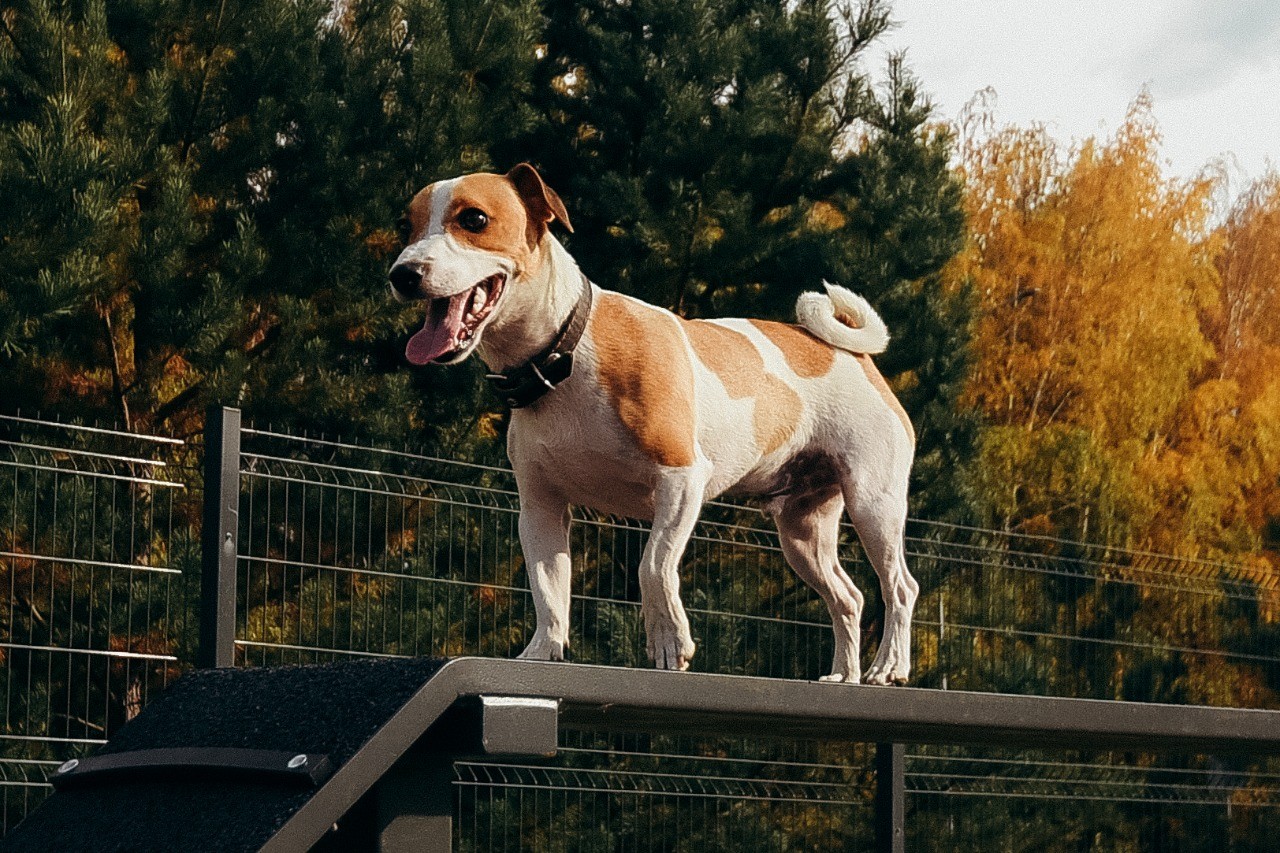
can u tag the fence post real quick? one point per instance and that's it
(219, 537)
(891, 798)
(415, 808)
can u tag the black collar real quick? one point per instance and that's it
(521, 386)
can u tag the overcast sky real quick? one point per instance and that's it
(1213, 68)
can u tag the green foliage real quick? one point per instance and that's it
(198, 201)
(722, 158)
(199, 196)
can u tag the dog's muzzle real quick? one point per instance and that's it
(406, 279)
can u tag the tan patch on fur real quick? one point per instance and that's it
(805, 354)
(732, 357)
(646, 372)
(497, 198)
(877, 379)
(419, 214)
(778, 409)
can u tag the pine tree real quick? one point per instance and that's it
(721, 158)
(200, 201)
(76, 144)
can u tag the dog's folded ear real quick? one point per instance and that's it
(540, 200)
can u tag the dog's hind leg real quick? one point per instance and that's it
(677, 502)
(809, 531)
(544, 538)
(879, 514)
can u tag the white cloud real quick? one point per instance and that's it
(1208, 44)
(1213, 68)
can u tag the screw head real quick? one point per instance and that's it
(68, 766)
(297, 761)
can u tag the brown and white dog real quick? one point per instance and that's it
(654, 414)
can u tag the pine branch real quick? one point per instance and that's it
(117, 374)
(17, 46)
(177, 402)
(186, 396)
(686, 265)
(187, 142)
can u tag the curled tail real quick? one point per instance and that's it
(843, 319)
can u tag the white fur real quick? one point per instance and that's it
(448, 266)
(440, 198)
(570, 448)
(817, 313)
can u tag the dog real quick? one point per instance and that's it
(629, 409)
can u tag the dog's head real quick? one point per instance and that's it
(467, 242)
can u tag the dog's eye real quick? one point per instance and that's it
(404, 228)
(473, 219)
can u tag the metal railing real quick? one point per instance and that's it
(93, 542)
(346, 550)
(612, 791)
(315, 549)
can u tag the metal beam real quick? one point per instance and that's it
(674, 702)
(694, 703)
(415, 808)
(218, 538)
(184, 763)
(891, 798)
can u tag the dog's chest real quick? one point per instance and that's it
(572, 444)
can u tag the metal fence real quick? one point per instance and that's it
(997, 799)
(342, 550)
(93, 539)
(347, 550)
(610, 791)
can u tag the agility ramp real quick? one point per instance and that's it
(356, 755)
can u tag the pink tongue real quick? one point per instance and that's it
(438, 333)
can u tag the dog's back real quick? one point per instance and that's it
(629, 409)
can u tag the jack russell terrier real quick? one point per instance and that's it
(629, 409)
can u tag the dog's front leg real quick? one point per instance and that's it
(677, 502)
(544, 538)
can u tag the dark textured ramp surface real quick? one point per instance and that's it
(332, 709)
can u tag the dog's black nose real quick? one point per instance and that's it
(406, 279)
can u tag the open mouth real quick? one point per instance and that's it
(452, 322)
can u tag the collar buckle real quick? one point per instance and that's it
(523, 385)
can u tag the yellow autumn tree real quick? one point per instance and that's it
(1221, 469)
(1093, 272)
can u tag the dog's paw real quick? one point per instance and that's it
(543, 648)
(886, 675)
(668, 647)
(837, 677)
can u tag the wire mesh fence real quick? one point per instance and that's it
(350, 550)
(610, 791)
(347, 550)
(23, 784)
(357, 551)
(981, 800)
(93, 534)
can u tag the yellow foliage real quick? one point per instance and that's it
(824, 216)
(1127, 351)
(381, 242)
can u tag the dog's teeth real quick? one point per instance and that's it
(478, 300)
